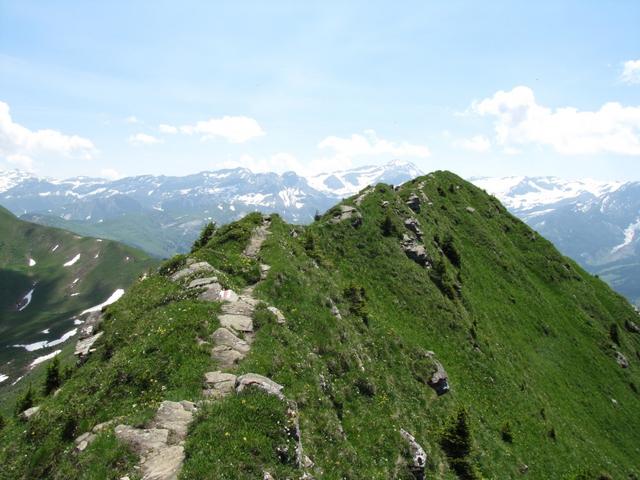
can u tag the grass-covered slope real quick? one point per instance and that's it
(529, 340)
(32, 259)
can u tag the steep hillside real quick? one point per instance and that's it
(595, 223)
(47, 276)
(419, 332)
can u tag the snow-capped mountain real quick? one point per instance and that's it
(345, 183)
(596, 223)
(163, 214)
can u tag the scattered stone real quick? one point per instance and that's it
(347, 212)
(413, 225)
(622, 360)
(29, 412)
(228, 296)
(439, 380)
(202, 282)
(267, 476)
(263, 383)
(84, 346)
(212, 293)
(90, 325)
(226, 357)
(470, 209)
(242, 306)
(384, 203)
(83, 441)
(258, 237)
(632, 326)
(219, 384)
(192, 268)
(418, 455)
(142, 441)
(413, 202)
(280, 319)
(524, 468)
(362, 196)
(239, 323)
(164, 464)
(175, 417)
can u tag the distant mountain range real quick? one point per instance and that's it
(163, 215)
(594, 222)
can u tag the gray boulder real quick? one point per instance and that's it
(418, 460)
(439, 380)
(219, 384)
(29, 412)
(258, 381)
(622, 360)
(413, 202)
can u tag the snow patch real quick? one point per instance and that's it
(45, 331)
(43, 358)
(76, 281)
(32, 347)
(629, 235)
(32, 262)
(115, 296)
(3, 377)
(54, 248)
(26, 299)
(72, 261)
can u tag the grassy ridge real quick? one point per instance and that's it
(524, 334)
(59, 292)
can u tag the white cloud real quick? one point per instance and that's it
(631, 72)
(170, 129)
(370, 144)
(477, 143)
(233, 129)
(520, 120)
(132, 119)
(110, 174)
(143, 139)
(21, 161)
(19, 142)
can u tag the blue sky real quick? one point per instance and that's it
(538, 88)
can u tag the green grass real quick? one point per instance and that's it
(522, 331)
(103, 267)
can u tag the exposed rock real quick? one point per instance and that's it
(164, 464)
(470, 209)
(267, 476)
(258, 381)
(418, 455)
(413, 225)
(192, 269)
(212, 293)
(413, 202)
(239, 323)
(219, 384)
(84, 440)
(622, 360)
(258, 237)
(142, 441)
(334, 309)
(242, 306)
(29, 412)
(90, 325)
(415, 251)
(632, 326)
(223, 336)
(228, 296)
(84, 346)
(175, 417)
(202, 282)
(439, 380)
(384, 203)
(264, 271)
(278, 314)
(347, 212)
(362, 196)
(226, 357)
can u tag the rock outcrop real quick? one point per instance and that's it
(347, 212)
(415, 251)
(418, 460)
(439, 380)
(161, 446)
